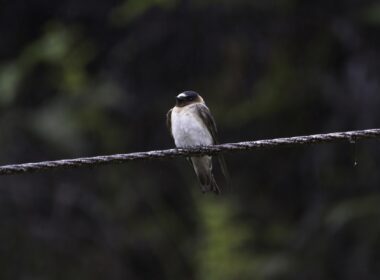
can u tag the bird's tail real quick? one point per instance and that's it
(214, 186)
(208, 183)
(203, 169)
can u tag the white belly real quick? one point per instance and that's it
(189, 130)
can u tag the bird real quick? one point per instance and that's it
(191, 124)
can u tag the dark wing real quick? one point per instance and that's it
(169, 122)
(209, 121)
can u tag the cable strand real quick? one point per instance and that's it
(194, 151)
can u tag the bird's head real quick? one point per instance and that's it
(188, 97)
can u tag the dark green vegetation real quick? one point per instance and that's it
(82, 78)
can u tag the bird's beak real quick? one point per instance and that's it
(181, 97)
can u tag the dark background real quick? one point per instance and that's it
(84, 78)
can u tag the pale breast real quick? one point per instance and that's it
(188, 129)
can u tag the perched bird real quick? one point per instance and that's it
(191, 124)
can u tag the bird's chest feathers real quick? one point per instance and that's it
(188, 129)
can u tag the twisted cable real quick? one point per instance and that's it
(350, 136)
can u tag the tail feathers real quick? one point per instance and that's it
(208, 184)
(214, 186)
(203, 170)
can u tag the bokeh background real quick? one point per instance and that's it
(84, 78)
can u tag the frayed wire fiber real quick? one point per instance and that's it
(195, 151)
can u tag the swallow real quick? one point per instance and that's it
(191, 124)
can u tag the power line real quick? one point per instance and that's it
(351, 136)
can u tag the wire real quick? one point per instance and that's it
(194, 151)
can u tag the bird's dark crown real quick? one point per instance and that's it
(187, 97)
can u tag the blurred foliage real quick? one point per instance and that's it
(80, 78)
(371, 14)
(132, 9)
(220, 256)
